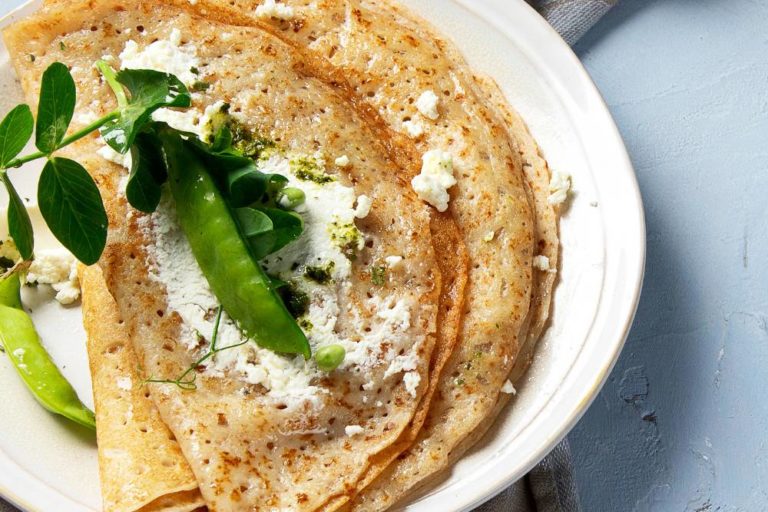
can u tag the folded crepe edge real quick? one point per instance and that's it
(141, 467)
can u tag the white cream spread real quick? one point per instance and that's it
(435, 179)
(167, 55)
(427, 105)
(342, 161)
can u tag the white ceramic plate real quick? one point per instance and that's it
(45, 465)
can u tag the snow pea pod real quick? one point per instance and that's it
(235, 277)
(36, 368)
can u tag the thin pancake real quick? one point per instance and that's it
(390, 58)
(140, 463)
(251, 457)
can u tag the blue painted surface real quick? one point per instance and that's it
(682, 422)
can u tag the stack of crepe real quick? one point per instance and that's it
(342, 75)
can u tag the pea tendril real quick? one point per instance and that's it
(187, 380)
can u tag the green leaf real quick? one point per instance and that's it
(248, 186)
(56, 106)
(71, 206)
(269, 229)
(253, 222)
(147, 174)
(15, 131)
(19, 224)
(149, 90)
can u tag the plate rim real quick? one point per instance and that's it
(551, 43)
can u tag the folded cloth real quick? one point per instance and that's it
(549, 487)
(572, 18)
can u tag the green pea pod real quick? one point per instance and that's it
(22, 344)
(235, 277)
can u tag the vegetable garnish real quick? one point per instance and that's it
(247, 211)
(187, 379)
(328, 358)
(21, 342)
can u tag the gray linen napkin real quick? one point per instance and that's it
(549, 487)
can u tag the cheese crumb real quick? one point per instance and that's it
(353, 430)
(435, 179)
(394, 262)
(342, 161)
(542, 263)
(411, 381)
(124, 383)
(489, 236)
(508, 388)
(58, 268)
(414, 130)
(363, 207)
(427, 105)
(559, 186)
(272, 9)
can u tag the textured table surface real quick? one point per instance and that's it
(682, 422)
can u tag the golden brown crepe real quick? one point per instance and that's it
(262, 448)
(140, 463)
(390, 58)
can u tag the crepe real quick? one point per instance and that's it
(242, 451)
(390, 58)
(140, 463)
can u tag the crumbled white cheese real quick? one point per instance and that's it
(393, 262)
(342, 161)
(272, 9)
(85, 117)
(107, 153)
(559, 186)
(411, 381)
(353, 430)
(435, 179)
(508, 388)
(427, 105)
(167, 55)
(542, 263)
(489, 236)
(363, 207)
(124, 383)
(413, 129)
(58, 268)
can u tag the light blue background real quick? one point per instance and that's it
(682, 422)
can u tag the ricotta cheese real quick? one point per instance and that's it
(394, 262)
(508, 388)
(353, 430)
(167, 55)
(342, 161)
(489, 236)
(58, 268)
(542, 263)
(107, 153)
(363, 207)
(273, 9)
(413, 129)
(435, 179)
(427, 105)
(559, 185)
